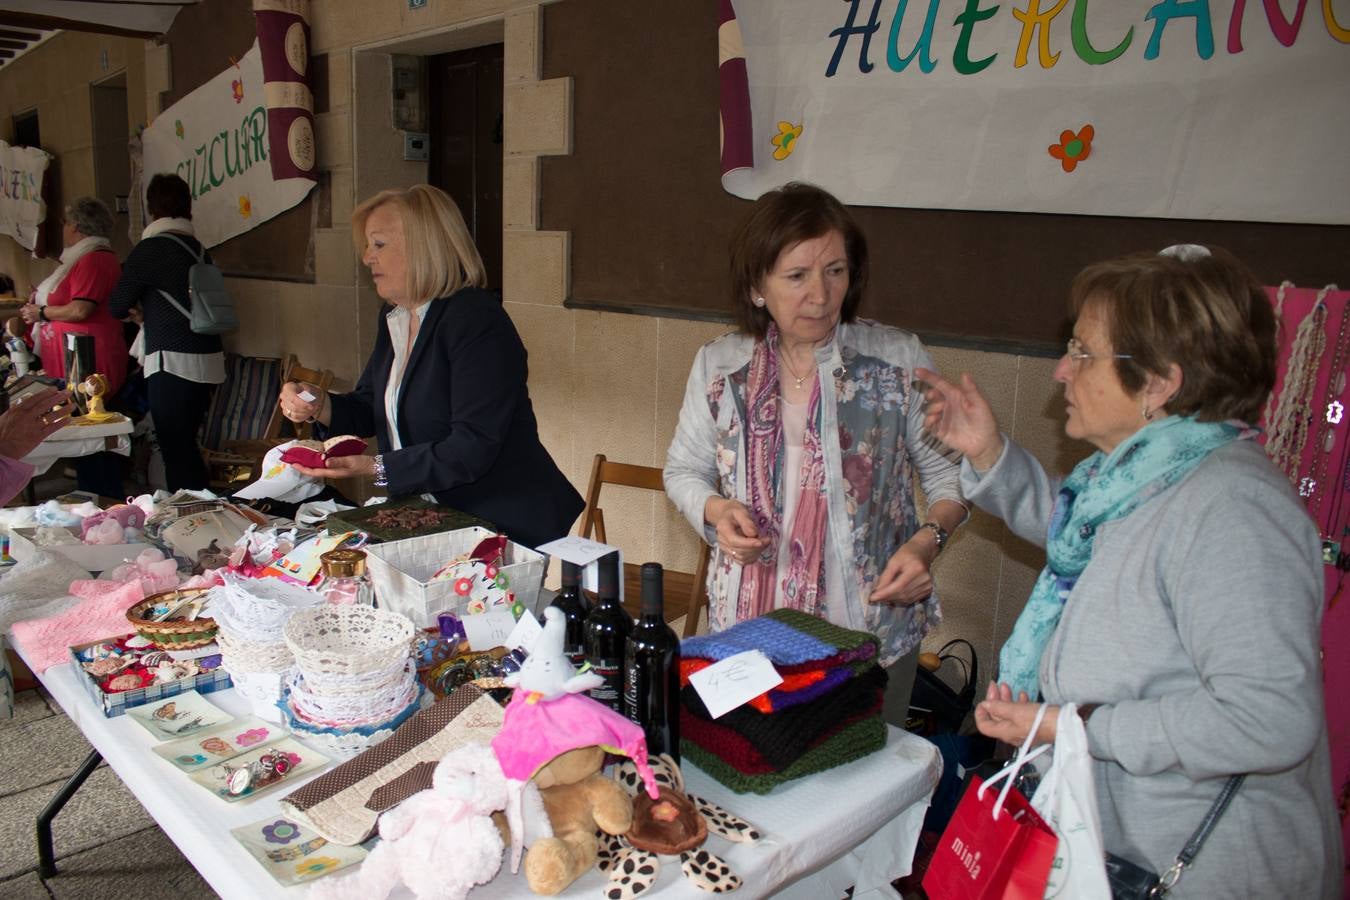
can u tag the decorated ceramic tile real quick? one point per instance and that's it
(259, 770)
(210, 747)
(292, 853)
(179, 716)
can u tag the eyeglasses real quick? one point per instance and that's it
(1077, 355)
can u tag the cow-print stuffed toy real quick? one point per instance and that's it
(633, 869)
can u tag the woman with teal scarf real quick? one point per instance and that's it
(1180, 605)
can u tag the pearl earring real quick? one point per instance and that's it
(758, 301)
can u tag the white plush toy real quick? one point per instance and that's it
(439, 842)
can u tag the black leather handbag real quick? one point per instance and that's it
(934, 705)
(1133, 882)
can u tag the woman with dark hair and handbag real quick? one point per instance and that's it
(182, 367)
(1182, 595)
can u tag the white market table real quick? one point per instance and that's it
(852, 825)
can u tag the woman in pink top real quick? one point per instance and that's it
(74, 298)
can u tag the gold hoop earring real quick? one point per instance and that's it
(1146, 411)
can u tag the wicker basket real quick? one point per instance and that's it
(348, 640)
(173, 634)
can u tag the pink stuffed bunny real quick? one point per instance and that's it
(439, 842)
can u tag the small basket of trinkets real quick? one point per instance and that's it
(173, 620)
(122, 672)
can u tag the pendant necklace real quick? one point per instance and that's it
(792, 373)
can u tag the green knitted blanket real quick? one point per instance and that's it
(853, 742)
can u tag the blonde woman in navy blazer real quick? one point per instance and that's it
(444, 391)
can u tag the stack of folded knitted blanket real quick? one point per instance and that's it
(827, 711)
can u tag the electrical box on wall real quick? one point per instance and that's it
(408, 92)
(416, 4)
(416, 146)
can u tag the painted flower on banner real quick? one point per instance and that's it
(1073, 148)
(785, 141)
(245, 206)
(280, 832)
(237, 88)
(311, 868)
(178, 128)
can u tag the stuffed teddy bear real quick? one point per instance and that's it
(555, 737)
(439, 842)
(579, 800)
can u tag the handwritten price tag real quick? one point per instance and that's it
(524, 633)
(489, 629)
(734, 681)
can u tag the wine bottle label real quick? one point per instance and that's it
(611, 692)
(632, 689)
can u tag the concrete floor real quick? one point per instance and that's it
(106, 844)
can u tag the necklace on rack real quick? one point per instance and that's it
(1288, 428)
(1328, 416)
(792, 373)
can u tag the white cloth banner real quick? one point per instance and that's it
(1207, 109)
(216, 139)
(22, 209)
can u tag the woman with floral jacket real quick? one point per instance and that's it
(801, 435)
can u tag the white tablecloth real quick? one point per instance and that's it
(852, 825)
(80, 440)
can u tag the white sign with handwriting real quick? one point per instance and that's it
(524, 633)
(489, 629)
(734, 681)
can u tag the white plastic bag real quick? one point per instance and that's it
(1067, 799)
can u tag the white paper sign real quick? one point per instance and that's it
(490, 629)
(525, 632)
(734, 681)
(584, 552)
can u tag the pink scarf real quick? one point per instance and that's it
(805, 580)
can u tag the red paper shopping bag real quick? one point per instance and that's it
(986, 857)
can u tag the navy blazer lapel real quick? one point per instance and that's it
(425, 336)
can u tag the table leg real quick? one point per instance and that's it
(46, 853)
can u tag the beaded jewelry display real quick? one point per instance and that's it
(1328, 417)
(1288, 428)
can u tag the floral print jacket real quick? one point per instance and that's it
(872, 431)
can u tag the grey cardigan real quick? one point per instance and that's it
(1196, 625)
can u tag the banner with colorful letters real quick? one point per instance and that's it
(1207, 109)
(22, 209)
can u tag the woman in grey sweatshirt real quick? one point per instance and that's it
(1181, 602)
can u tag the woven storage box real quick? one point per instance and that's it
(401, 571)
(172, 634)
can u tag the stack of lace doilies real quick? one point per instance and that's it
(251, 614)
(354, 679)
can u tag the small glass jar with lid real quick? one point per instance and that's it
(345, 581)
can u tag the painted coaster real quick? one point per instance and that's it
(209, 747)
(293, 853)
(179, 716)
(297, 759)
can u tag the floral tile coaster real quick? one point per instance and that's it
(300, 758)
(179, 716)
(208, 747)
(291, 852)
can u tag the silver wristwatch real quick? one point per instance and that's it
(381, 477)
(940, 534)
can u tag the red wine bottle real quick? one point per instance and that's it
(607, 629)
(574, 611)
(651, 681)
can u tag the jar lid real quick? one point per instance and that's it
(344, 563)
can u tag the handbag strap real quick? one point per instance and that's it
(198, 257)
(1197, 840)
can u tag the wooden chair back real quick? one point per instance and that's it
(684, 592)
